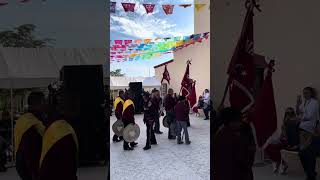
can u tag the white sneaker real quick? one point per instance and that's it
(283, 169)
(275, 167)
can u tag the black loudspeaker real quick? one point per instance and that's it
(136, 88)
(90, 123)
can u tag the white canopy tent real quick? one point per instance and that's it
(38, 67)
(117, 83)
(22, 68)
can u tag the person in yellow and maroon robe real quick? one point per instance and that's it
(128, 118)
(118, 106)
(28, 134)
(59, 156)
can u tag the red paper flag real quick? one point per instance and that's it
(118, 42)
(149, 8)
(3, 3)
(241, 69)
(264, 116)
(126, 42)
(24, 1)
(166, 75)
(185, 5)
(168, 8)
(128, 7)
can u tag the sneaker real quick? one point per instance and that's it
(283, 169)
(275, 168)
(188, 142)
(147, 148)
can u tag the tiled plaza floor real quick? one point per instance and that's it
(167, 160)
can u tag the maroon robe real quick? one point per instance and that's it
(169, 103)
(118, 110)
(28, 154)
(60, 161)
(128, 115)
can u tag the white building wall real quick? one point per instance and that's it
(286, 30)
(199, 53)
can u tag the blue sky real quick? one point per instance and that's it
(68, 21)
(139, 25)
(81, 24)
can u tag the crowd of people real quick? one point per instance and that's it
(46, 145)
(176, 109)
(234, 144)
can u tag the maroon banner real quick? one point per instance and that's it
(166, 75)
(264, 117)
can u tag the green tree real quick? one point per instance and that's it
(116, 73)
(23, 36)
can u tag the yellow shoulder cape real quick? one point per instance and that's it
(127, 104)
(23, 124)
(117, 101)
(54, 133)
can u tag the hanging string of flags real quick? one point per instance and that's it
(4, 3)
(130, 50)
(167, 8)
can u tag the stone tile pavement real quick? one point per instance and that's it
(167, 160)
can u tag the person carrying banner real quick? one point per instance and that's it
(149, 119)
(169, 103)
(28, 134)
(59, 156)
(128, 118)
(118, 106)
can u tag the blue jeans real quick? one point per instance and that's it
(182, 125)
(308, 158)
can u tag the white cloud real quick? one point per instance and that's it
(142, 25)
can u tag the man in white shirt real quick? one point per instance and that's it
(206, 100)
(308, 112)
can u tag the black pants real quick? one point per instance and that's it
(206, 112)
(157, 123)
(308, 158)
(151, 138)
(170, 116)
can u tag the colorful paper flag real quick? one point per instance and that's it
(113, 7)
(199, 6)
(147, 41)
(126, 42)
(118, 42)
(168, 8)
(149, 8)
(24, 1)
(128, 7)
